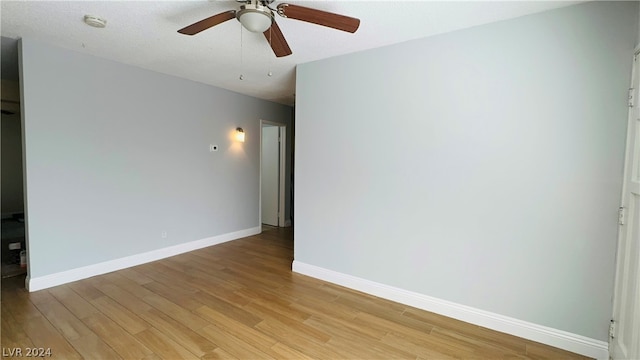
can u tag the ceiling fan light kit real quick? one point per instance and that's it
(256, 16)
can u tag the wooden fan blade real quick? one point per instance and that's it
(208, 22)
(319, 17)
(276, 40)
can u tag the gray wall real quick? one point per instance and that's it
(483, 167)
(115, 155)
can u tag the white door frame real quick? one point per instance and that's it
(282, 128)
(624, 342)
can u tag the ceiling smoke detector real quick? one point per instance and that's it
(95, 21)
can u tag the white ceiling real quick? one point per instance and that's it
(144, 34)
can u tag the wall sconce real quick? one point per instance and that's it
(239, 134)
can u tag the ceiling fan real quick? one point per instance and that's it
(257, 16)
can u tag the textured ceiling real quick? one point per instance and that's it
(144, 34)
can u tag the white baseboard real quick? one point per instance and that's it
(553, 337)
(47, 281)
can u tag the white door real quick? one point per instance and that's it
(625, 341)
(270, 174)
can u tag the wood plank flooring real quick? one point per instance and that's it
(237, 300)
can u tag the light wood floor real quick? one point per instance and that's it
(237, 300)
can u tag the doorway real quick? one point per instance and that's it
(14, 262)
(625, 326)
(272, 173)
(13, 226)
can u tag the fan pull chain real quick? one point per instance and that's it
(270, 73)
(241, 55)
